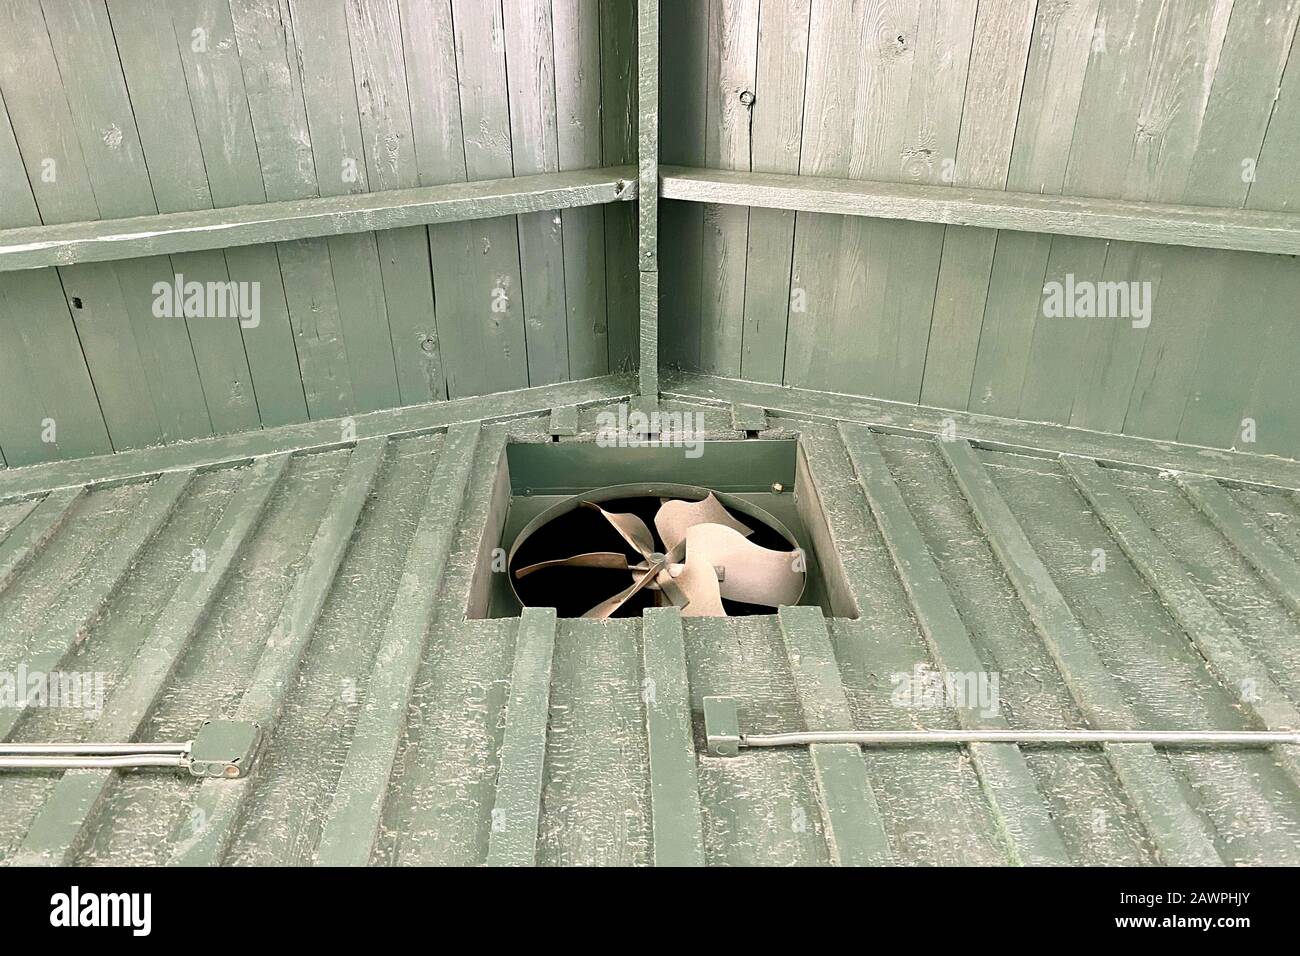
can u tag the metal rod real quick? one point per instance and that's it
(74, 762)
(100, 749)
(1195, 738)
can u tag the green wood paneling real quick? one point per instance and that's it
(201, 104)
(618, 111)
(1165, 102)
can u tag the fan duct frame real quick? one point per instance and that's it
(767, 478)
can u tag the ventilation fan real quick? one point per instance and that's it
(700, 557)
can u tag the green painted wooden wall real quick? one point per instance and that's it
(133, 107)
(112, 108)
(1182, 101)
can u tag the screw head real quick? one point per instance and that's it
(777, 487)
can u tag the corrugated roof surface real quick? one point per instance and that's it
(1081, 645)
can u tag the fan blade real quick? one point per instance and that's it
(607, 607)
(698, 581)
(594, 559)
(668, 588)
(749, 573)
(675, 517)
(632, 529)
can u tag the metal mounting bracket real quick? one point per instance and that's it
(721, 726)
(224, 748)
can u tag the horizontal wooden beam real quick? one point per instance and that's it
(1249, 230)
(224, 450)
(33, 247)
(1037, 439)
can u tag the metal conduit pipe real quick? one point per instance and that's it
(14, 750)
(90, 762)
(1172, 738)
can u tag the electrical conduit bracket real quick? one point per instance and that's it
(721, 726)
(225, 748)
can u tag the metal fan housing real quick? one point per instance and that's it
(657, 490)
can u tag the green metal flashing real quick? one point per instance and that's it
(36, 528)
(620, 776)
(54, 639)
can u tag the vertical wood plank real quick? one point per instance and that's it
(867, 248)
(62, 136)
(219, 102)
(731, 72)
(43, 372)
(534, 141)
(273, 81)
(684, 56)
(648, 195)
(578, 119)
(375, 32)
(1247, 320)
(516, 811)
(777, 128)
(833, 65)
(1059, 54)
(995, 79)
(476, 265)
(618, 93)
(854, 832)
(333, 116)
(352, 822)
(674, 788)
(1277, 187)
(219, 394)
(82, 39)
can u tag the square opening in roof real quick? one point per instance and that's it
(755, 479)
